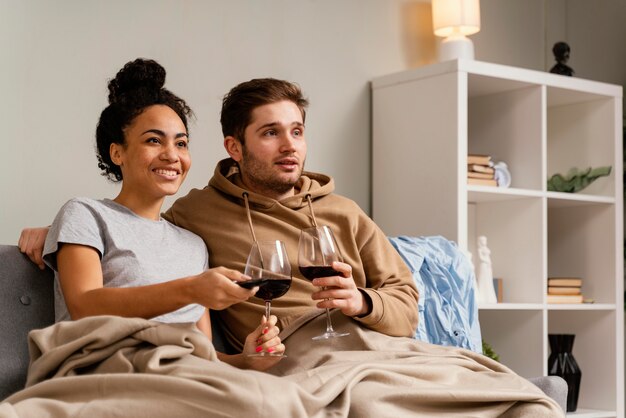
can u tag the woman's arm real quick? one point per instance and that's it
(80, 275)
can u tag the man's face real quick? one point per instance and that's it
(273, 155)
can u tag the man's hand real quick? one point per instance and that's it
(31, 243)
(341, 292)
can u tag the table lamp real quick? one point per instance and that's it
(454, 20)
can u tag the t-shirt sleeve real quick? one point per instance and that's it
(76, 223)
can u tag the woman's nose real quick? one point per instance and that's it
(169, 153)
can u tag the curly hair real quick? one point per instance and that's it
(241, 100)
(138, 85)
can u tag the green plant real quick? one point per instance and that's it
(488, 351)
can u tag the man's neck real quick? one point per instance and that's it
(267, 191)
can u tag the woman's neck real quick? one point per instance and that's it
(144, 206)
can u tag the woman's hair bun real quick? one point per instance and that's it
(138, 74)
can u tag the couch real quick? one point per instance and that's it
(27, 302)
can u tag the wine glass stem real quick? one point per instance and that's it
(329, 324)
(267, 309)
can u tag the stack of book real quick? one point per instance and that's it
(565, 290)
(480, 170)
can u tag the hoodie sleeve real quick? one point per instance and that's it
(387, 281)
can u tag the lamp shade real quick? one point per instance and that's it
(452, 17)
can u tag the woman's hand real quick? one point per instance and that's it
(263, 338)
(31, 243)
(217, 289)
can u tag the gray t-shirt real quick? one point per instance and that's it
(134, 251)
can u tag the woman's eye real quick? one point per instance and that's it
(153, 140)
(182, 144)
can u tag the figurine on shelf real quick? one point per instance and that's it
(561, 53)
(484, 276)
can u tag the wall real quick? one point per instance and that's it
(57, 57)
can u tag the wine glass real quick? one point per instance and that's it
(269, 268)
(316, 252)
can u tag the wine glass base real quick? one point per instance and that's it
(329, 335)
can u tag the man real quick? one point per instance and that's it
(264, 134)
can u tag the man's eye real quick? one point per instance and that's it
(271, 132)
(182, 144)
(298, 132)
(153, 140)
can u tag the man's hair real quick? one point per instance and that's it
(241, 100)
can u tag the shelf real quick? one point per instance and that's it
(510, 306)
(581, 306)
(540, 124)
(550, 306)
(560, 199)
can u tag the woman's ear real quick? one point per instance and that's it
(234, 148)
(115, 152)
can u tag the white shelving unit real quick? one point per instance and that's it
(426, 121)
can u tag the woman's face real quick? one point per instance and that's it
(155, 157)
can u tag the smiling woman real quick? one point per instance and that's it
(118, 256)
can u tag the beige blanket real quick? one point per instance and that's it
(110, 366)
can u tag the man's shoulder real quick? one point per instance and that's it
(341, 202)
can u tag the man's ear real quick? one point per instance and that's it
(115, 153)
(233, 148)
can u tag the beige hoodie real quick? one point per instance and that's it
(217, 213)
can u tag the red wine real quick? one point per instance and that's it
(272, 289)
(313, 272)
(249, 284)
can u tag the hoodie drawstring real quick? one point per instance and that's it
(308, 198)
(245, 199)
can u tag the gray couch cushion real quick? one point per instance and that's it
(26, 303)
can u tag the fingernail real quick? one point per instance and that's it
(270, 350)
(265, 330)
(259, 349)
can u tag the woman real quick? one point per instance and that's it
(118, 257)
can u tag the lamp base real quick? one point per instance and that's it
(456, 47)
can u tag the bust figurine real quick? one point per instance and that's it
(561, 53)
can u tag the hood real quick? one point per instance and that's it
(227, 180)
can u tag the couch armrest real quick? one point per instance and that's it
(26, 303)
(553, 386)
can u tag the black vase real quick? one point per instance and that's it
(562, 363)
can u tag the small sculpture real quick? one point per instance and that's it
(576, 180)
(561, 53)
(484, 277)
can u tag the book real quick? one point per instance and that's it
(565, 281)
(478, 159)
(497, 286)
(474, 175)
(565, 299)
(563, 290)
(477, 168)
(482, 182)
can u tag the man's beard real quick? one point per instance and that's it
(262, 177)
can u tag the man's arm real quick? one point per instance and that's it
(31, 243)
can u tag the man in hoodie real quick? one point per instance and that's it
(262, 190)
